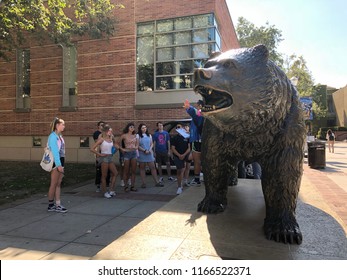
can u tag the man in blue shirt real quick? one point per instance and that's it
(162, 153)
(195, 137)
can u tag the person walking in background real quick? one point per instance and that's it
(331, 140)
(103, 149)
(146, 155)
(56, 144)
(195, 137)
(162, 151)
(180, 149)
(130, 155)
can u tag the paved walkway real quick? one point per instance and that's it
(154, 223)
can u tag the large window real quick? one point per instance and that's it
(169, 50)
(23, 80)
(69, 78)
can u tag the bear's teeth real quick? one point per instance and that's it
(214, 107)
(210, 92)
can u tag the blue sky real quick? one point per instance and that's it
(315, 29)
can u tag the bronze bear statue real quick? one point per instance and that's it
(252, 112)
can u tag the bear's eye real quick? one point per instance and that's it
(229, 64)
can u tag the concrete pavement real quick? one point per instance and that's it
(154, 223)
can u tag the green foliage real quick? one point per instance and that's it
(249, 36)
(60, 20)
(296, 67)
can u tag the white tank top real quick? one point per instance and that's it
(106, 147)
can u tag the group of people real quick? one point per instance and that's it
(141, 148)
(135, 149)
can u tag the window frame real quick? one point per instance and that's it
(212, 43)
(23, 83)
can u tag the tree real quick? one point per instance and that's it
(296, 67)
(249, 35)
(58, 20)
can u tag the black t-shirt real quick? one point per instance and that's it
(96, 135)
(181, 144)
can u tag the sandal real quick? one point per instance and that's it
(126, 188)
(143, 186)
(133, 189)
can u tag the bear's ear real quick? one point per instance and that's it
(215, 54)
(261, 51)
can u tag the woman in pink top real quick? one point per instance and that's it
(130, 155)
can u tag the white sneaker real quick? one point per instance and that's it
(179, 190)
(122, 183)
(112, 193)
(107, 195)
(161, 179)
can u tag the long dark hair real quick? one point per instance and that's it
(126, 129)
(139, 131)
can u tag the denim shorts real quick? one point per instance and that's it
(129, 155)
(107, 159)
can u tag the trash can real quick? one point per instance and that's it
(316, 154)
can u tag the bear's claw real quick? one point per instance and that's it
(281, 232)
(209, 206)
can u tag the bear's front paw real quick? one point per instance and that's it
(211, 206)
(283, 230)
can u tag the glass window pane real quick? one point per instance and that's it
(145, 77)
(183, 38)
(145, 50)
(165, 68)
(218, 39)
(164, 54)
(164, 83)
(203, 21)
(164, 25)
(201, 51)
(183, 52)
(164, 40)
(146, 28)
(186, 81)
(183, 23)
(204, 35)
(186, 67)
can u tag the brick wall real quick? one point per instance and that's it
(106, 75)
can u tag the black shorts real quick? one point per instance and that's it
(62, 160)
(161, 158)
(196, 146)
(180, 163)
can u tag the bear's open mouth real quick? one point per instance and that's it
(214, 99)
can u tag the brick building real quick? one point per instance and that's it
(143, 73)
